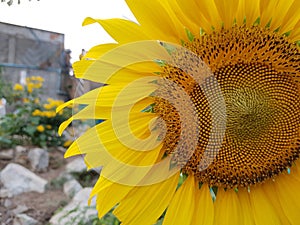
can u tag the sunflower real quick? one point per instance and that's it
(200, 108)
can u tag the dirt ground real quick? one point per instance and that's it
(40, 206)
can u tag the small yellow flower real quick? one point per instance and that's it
(37, 85)
(36, 113)
(30, 87)
(47, 106)
(25, 100)
(50, 100)
(18, 87)
(40, 128)
(36, 100)
(37, 78)
(49, 127)
(57, 103)
(49, 114)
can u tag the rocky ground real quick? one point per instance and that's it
(40, 187)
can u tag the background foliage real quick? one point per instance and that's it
(34, 121)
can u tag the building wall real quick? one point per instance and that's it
(34, 52)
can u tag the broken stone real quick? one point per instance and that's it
(18, 179)
(7, 154)
(20, 209)
(76, 166)
(72, 187)
(20, 150)
(23, 219)
(77, 211)
(39, 159)
(4, 193)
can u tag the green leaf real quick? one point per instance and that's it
(43, 137)
(35, 120)
(160, 62)
(5, 140)
(191, 37)
(30, 130)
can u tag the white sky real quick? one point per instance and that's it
(66, 16)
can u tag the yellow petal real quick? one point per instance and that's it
(64, 125)
(62, 106)
(192, 12)
(181, 18)
(227, 208)
(270, 192)
(246, 208)
(118, 95)
(121, 30)
(108, 194)
(75, 149)
(150, 14)
(295, 170)
(280, 12)
(248, 9)
(204, 13)
(227, 11)
(113, 96)
(182, 206)
(108, 73)
(267, 9)
(292, 17)
(263, 210)
(98, 50)
(93, 111)
(144, 205)
(295, 34)
(132, 56)
(130, 169)
(105, 134)
(287, 189)
(208, 9)
(204, 208)
(133, 169)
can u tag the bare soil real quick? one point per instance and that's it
(40, 206)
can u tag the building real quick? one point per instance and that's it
(27, 51)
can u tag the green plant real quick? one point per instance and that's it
(56, 183)
(6, 90)
(86, 178)
(33, 122)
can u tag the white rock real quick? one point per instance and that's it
(21, 155)
(20, 209)
(7, 154)
(4, 193)
(72, 187)
(23, 219)
(8, 203)
(77, 210)
(83, 196)
(64, 176)
(20, 149)
(76, 166)
(17, 179)
(61, 149)
(39, 159)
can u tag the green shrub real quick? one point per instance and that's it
(33, 122)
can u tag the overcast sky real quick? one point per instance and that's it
(66, 16)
